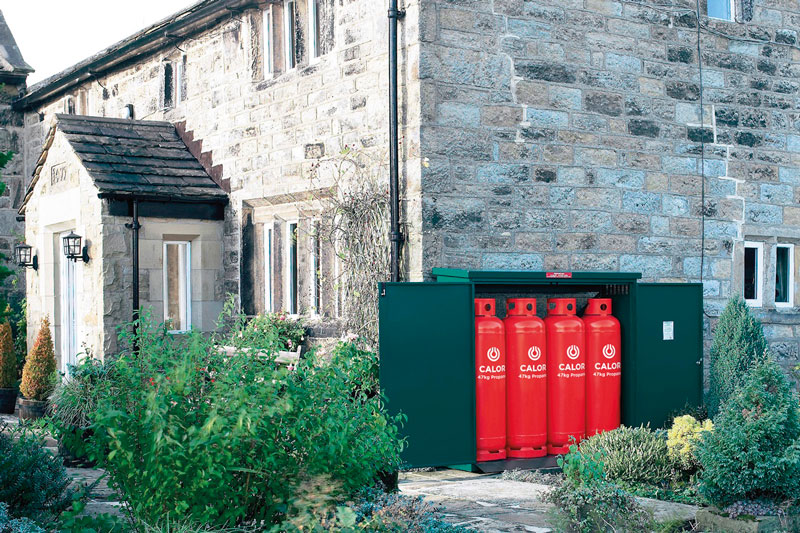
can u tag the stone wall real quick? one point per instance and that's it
(266, 132)
(568, 136)
(11, 133)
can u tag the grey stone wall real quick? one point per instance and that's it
(568, 136)
(12, 175)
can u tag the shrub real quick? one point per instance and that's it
(632, 455)
(268, 332)
(225, 440)
(682, 439)
(587, 502)
(40, 365)
(753, 452)
(33, 483)
(8, 359)
(16, 525)
(738, 344)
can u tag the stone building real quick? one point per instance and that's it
(625, 135)
(13, 74)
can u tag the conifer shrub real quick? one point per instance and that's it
(632, 455)
(738, 344)
(682, 440)
(754, 451)
(8, 359)
(37, 375)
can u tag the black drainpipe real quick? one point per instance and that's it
(135, 226)
(395, 237)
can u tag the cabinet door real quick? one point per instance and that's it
(427, 368)
(668, 363)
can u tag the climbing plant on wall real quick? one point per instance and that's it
(5, 272)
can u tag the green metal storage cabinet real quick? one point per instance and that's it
(427, 362)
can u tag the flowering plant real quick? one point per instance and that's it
(288, 332)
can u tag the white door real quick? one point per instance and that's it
(69, 325)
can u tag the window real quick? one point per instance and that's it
(269, 44)
(69, 105)
(314, 28)
(169, 85)
(177, 285)
(721, 9)
(268, 270)
(316, 277)
(291, 268)
(289, 34)
(129, 112)
(180, 79)
(784, 275)
(753, 273)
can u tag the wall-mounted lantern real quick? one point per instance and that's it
(73, 249)
(25, 258)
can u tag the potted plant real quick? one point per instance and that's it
(71, 405)
(37, 376)
(8, 371)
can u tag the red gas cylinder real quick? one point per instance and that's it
(490, 394)
(566, 376)
(526, 387)
(604, 364)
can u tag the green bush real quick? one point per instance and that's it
(754, 452)
(587, 502)
(33, 483)
(268, 332)
(217, 439)
(738, 344)
(16, 525)
(682, 439)
(632, 455)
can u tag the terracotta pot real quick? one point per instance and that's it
(8, 401)
(31, 409)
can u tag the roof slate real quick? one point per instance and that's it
(10, 57)
(134, 158)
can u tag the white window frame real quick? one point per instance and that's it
(292, 306)
(315, 264)
(759, 300)
(289, 50)
(186, 319)
(790, 247)
(731, 5)
(269, 44)
(67, 101)
(268, 254)
(313, 30)
(177, 73)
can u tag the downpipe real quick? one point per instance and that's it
(395, 235)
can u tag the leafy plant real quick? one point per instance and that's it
(682, 439)
(8, 359)
(16, 525)
(754, 451)
(33, 483)
(221, 439)
(40, 365)
(587, 502)
(19, 324)
(632, 455)
(281, 331)
(738, 345)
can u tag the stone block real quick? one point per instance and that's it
(604, 103)
(497, 173)
(649, 265)
(547, 119)
(512, 261)
(789, 175)
(641, 202)
(624, 63)
(777, 194)
(763, 213)
(624, 178)
(679, 165)
(459, 114)
(596, 157)
(566, 98)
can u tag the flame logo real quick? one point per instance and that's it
(573, 352)
(534, 353)
(493, 354)
(609, 351)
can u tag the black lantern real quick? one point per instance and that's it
(73, 249)
(25, 258)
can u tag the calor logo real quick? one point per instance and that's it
(573, 352)
(493, 354)
(534, 353)
(609, 351)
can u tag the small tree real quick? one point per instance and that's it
(8, 359)
(39, 366)
(754, 450)
(738, 345)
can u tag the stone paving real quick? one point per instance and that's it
(488, 503)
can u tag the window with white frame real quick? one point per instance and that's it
(314, 28)
(753, 278)
(269, 41)
(268, 278)
(316, 266)
(291, 272)
(180, 79)
(177, 285)
(289, 34)
(722, 9)
(69, 105)
(784, 275)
